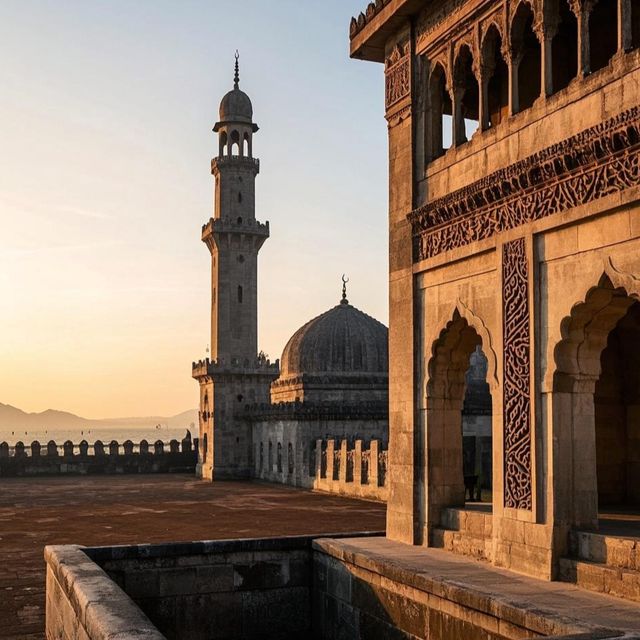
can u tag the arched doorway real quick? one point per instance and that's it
(596, 410)
(458, 399)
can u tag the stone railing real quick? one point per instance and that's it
(109, 458)
(351, 470)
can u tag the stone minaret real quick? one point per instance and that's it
(235, 375)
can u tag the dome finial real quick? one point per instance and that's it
(236, 77)
(344, 290)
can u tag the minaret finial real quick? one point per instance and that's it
(344, 290)
(236, 77)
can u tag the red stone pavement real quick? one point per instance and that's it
(104, 510)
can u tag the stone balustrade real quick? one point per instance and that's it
(351, 470)
(105, 458)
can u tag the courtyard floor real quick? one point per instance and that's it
(106, 510)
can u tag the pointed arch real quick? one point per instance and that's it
(466, 95)
(495, 78)
(440, 112)
(527, 58)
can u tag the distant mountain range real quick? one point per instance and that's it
(14, 418)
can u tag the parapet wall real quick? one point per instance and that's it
(351, 470)
(344, 467)
(99, 458)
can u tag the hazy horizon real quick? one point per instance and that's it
(106, 112)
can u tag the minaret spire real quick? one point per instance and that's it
(236, 77)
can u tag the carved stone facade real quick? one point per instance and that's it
(514, 223)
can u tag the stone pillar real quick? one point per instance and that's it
(331, 456)
(582, 13)
(342, 475)
(484, 76)
(513, 62)
(357, 463)
(625, 31)
(459, 133)
(318, 471)
(374, 463)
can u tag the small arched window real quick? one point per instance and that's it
(239, 196)
(239, 294)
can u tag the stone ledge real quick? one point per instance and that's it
(101, 608)
(551, 609)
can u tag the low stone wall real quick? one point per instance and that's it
(283, 589)
(226, 589)
(112, 458)
(83, 603)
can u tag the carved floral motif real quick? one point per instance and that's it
(595, 163)
(517, 372)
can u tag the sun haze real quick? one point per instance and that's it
(106, 115)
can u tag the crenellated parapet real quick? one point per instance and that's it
(236, 366)
(239, 162)
(107, 458)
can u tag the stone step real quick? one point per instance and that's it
(462, 543)
(594, 576)
(475, 523)
(612, 551)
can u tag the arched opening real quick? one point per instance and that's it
(635, 24)
(261, 465)
(476, 430)
(235, 143)
(467, 97)
(240, 294)
(603, 33)
(246, 145)
(270, 468)
(205, 447)
(279, 457)
(617, 415)
(240, 197)
(440, 113)
(223, 144)
(290, 460)
(497, 79)
(458, 425)
(564, 47)
(527, 58)
(596, 411)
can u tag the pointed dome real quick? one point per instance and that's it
(236, 107)
(342, 340)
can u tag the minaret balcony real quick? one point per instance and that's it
(258, 366)
(220, 226)
(237, 162)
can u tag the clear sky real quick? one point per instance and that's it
(106, 110)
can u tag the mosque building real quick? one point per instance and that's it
(259, 419)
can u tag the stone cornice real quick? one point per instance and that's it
(590, 165)
(306, 411)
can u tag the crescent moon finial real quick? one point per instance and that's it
(344, 289)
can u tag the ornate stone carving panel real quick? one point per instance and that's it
(595, 163)
(397, 77)
(517, 380)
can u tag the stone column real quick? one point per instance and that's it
(513, 62)
(357, 463)
(374, 463)
(484, 76)
(318, 473)
(625, 31)
(331, 456)
(459, 134)
(342, 475)
(546, 32)
(582, 13)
